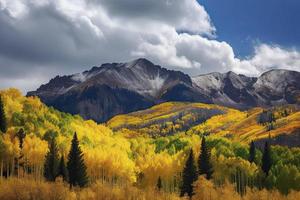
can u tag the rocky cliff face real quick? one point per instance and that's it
(116, 88)
(274, 87)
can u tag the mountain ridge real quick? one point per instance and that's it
(117, 88)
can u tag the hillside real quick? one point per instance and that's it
(205, 119)
(122, 159)
(40, 123)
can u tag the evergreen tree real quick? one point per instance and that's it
(76, 167)
(51, 162)
(3, 124)
(189, 176)
(252, 152)
(159, 184)
(266, 159)
(62, 169)
(204, 164)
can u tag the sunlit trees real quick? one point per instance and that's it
(189, 176)
(34, 150)
(204, 163)
(128, 159)
(3, 123)
(76, 166)
(51, 162)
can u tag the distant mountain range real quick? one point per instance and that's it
(117, 88)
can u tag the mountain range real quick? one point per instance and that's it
(117, 88)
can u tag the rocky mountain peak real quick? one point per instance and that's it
(115, 88)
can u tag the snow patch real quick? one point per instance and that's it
(156, 84)
(209, 81)
(80, 77)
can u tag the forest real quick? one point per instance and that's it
(171, 151)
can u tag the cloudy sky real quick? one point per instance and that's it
(42, 38)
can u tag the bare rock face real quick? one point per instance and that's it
(113, 88)
(116, 88)
(275, 87)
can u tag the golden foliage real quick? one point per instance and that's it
(174, 117)
(118, 160)
(28, 189)
(206, 190)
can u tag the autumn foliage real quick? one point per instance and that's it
(127, 157)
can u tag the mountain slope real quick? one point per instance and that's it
(275, 87)
(208, 119)
(118, 88)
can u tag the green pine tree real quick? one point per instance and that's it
(204, 163)
(62, 169)
(252, 152)
(266, 159)
(76, 167)
(159, 184)
(51, 162)
(189, 176)
(3, 124)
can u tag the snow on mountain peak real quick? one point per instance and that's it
(80, 77)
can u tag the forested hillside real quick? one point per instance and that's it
(161, 151)
(208, 119)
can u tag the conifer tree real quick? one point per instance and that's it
(76, 167)
(204, 164)
(51, 162)
(3, 124)
(159, 184)
(252, 152)
(189, 176)
(62, 169)
(266, 159)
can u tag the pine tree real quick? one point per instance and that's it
(51, 162)
(62, 169)
(205, 166)
(3, 124)
(252, 152)
(266, 159)
(189, 176)
(159, 184)
(76, 167)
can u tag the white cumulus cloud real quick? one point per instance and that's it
(63, 37)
